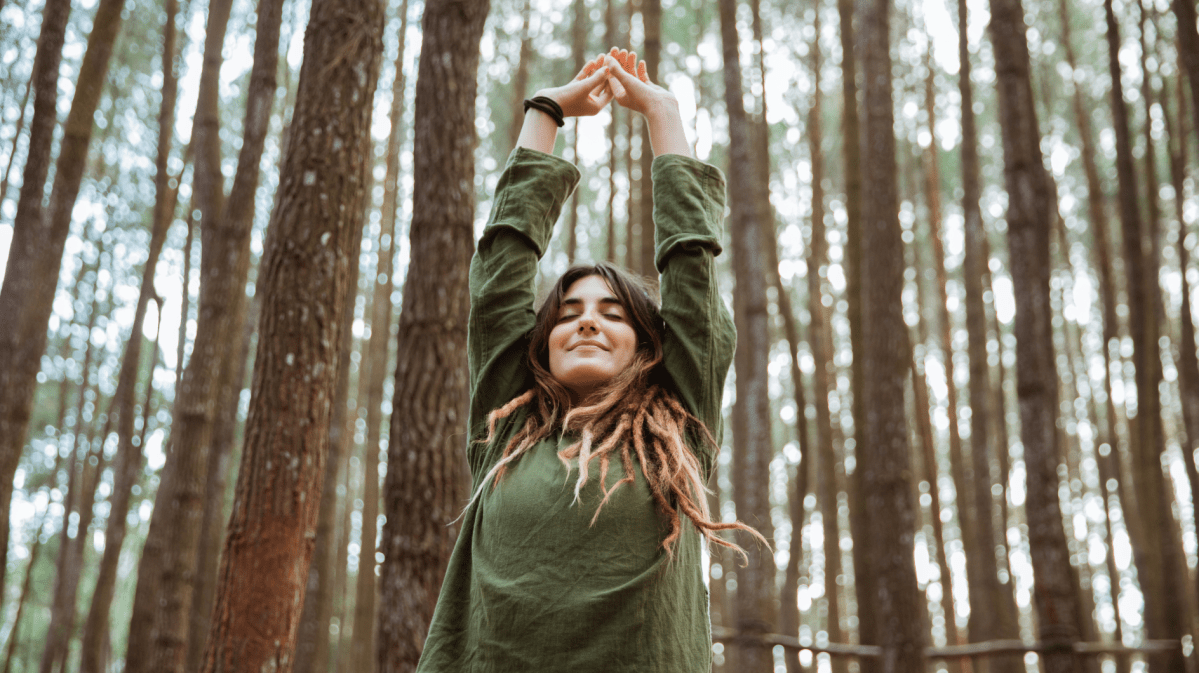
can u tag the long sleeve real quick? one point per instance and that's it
(528, 200)
(689, 198)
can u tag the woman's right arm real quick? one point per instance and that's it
(528, 199)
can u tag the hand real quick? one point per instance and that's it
(587, 93)
(632, 88)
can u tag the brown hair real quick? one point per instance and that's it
(636, 413)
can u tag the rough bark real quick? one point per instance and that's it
(427, 427)
(1028, 218)
(995, 616)
(883, 454)
(311, 246)
(1153, 553)
(755, 610)
(225, 225)
(127, 465)
(185, 299)
(23, 332)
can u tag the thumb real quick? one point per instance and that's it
(617, 70)
(618, 90)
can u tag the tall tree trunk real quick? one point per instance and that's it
(1188, 47)
(883, 454)
(614, 110)
(1155, 555)
(264, 568)
(23, 332)
(225, 225)
(185, 298)
(418, 535)
(14, 634)
(651, 21)
(751, 457)
(1188, 363)
(128, 462)
(995, 617)
(823, 459)
(578, 41)
(1028, 237)
(520, 83)
(851, 160)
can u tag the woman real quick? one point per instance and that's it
(558, 568)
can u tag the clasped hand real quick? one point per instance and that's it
(617, 76)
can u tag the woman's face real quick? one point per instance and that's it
(592, 340)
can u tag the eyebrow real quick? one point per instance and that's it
(576, 301)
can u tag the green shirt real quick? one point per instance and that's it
(530, 586)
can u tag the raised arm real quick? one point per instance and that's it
(689, 198)
(528, 199)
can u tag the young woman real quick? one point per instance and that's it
(594, 422)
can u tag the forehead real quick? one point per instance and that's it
(589, 287)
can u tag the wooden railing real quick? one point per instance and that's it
(971, 650)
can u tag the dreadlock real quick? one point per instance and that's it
(635, 415)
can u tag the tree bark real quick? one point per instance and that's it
(309, 254)
(418, 535)
(883, 455)
(128, 462)
(651, 21)
(1188, 47)
(995, 615)
(1028, 217)
(23, 332)
(609, 40)
(755, 610)
(520, 83)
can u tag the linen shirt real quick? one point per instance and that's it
(531, 586)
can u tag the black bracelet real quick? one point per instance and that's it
(549, 106)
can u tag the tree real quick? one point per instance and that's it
(23, 332)
(753, 450)
(426, 477)
(1028, 219)
(307, 277)
(883, 454)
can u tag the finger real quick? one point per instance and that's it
(618, 90)
(587, 71)
(631, 63)
(641, 73)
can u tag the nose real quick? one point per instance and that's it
(587, 325)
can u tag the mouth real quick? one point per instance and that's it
(594, 344)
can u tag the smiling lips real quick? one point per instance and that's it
(588, 342)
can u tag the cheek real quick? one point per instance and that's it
(627, 340)
(557, 346)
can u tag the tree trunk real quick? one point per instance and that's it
(225, 235)
(1188, 47)
(23, 332)
(520, 83)
(418, 535)
(651, 21)
(264, 568)
(1028, 237)
(995, 616)
(1157, 569)
(185, 299)
(755, 609)
(614, 110)
(578, 41)
(127, 466)
(883, 455)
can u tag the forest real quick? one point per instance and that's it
(964, 405)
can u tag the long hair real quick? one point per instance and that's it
(636, 414)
